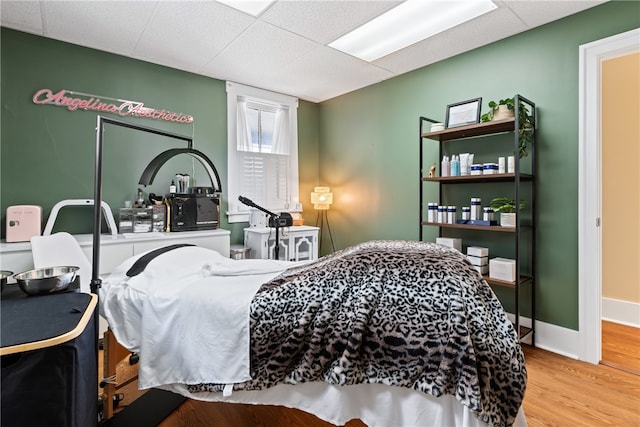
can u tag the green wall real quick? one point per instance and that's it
(48, 153)
(369, 151)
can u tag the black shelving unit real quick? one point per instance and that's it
(488, 132)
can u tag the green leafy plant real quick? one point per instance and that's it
(488, 116)
(505, 205)
(525, 119)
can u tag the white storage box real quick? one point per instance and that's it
(451, 242)
(478, 251)
(502, 269)
(478, 261)
(482, 269)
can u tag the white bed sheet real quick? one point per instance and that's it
(377, 405)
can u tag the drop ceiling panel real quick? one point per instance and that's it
(326, 73)
(21, 15)
(540, 12)
(189, 35)
(324, 21)
(112, 26)
(262, 51)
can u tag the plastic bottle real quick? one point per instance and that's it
(476, 209)
(443, 166)
(455, 166)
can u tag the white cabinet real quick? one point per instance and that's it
(298, 243)
(17, 257)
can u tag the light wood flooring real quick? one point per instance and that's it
(621, 347)
(560, 392)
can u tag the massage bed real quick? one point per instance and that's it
(394, 333)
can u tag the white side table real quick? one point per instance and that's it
(297, 243)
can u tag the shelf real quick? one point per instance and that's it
(473, 227)
(505, 177)
(478, 129)
(491, 281)
(500, 136)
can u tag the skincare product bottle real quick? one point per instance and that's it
(476, 209)
(464, 163)
(487, 214)
(501, 165)
(466, 212)
(445, 168)
(455, 166)
(172, 187)
(432, 212)
(451, 215)
(511, 164)
(442, 214)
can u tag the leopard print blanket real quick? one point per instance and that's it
(402, 313)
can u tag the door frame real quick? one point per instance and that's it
(590, 186)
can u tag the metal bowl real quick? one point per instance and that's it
(46, 280)
(4, 275)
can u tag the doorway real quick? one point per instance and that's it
(590, 199)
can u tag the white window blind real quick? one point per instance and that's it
(263, 153)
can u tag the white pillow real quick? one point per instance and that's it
(176, 265)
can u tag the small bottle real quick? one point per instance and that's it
(432, 212)
(442, 214)
(466, 213)
(487, 214)
(172, 187)
(476, 209)
(444, 168)
(455, 166)
(140, 200)
(451, 215)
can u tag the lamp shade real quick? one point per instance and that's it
(321, 198)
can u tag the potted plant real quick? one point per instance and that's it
(507, 208)
(505, 108)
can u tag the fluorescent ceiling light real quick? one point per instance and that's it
(406, 24)
(252, 7)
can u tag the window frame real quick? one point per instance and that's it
(238, 212)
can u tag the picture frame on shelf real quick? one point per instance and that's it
(463, 113)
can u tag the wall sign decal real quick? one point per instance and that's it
(82, 101)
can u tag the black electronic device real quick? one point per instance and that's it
(276, 221)
(194, 211)
(284, 219)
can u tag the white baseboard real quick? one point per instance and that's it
(553, 338)
(618, 311)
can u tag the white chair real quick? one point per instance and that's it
(61, 249)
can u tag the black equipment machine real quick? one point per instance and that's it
(283, 219)
(197, 210)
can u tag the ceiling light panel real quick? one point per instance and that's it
(406, 24)
(252, 7)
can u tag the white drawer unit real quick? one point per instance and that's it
(297, 243)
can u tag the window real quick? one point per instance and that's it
(262, 129)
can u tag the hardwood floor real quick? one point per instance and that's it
(560, 392)
(567, 392)
(621, 347)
